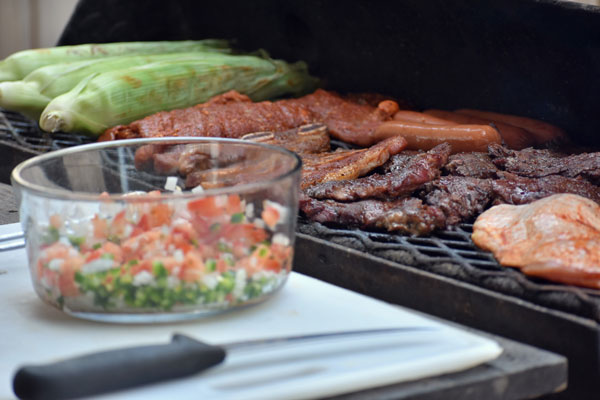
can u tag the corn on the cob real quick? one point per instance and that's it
(19, 64)
(32, 94)
(118, 97)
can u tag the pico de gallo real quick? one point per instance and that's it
(148, 256)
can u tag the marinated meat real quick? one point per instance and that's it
(234, 115)
(536, 163)
(248, 170)
(350, 121)
(185, 159)
(228, 115)
(348, 164)
(557, 238)
(407, 215)
(420, 169)
(513, 189)
(460, 198)
(474, 165)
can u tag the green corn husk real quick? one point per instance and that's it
(119, 97)
(18, 65)
(32, 94)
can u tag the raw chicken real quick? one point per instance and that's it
(557, 238)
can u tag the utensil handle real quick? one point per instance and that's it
(108, 371)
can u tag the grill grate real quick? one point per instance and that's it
(453, 254)
(21, 132)
(447, 253)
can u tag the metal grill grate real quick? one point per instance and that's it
(24, 133)
(448, 253)
(453, 254)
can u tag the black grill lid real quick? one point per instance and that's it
(537, 58)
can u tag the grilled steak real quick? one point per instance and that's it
(421, 168)
(535, 163)
(406, 215)
(348, 164)
(475, 165)
(398, 162)
(512, 189)
(460, 198)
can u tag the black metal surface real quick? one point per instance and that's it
(453, 254)
(21, 138)
(537, 58)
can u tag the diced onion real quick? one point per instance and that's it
(171, 183)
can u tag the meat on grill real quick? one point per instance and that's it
(312, 138)
(536, 163)
(557, 238)
(474, 165)
(189, 159)
(347, 164)
(233, 115)
(420, 169)
(406, 215)
(460, 198)
(228, 115)
(513, 189)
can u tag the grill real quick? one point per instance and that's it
(21, 138)
(521, 67)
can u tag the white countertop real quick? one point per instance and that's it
(32, 332)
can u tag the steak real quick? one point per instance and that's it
(460, 198)
(419, 169)
(536, 163)
(512, 189)
(474, 165)
(406, 215)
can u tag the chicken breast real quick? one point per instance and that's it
(557, 238)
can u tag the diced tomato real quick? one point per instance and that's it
(56, 221)
(215, 206)
(234, 204)
(247, 234)
(160, 214)
(140, 244)
(117, 226)
(145, 265)
(100, 227)
(271, 216)
(221, 265)
(193, 267)
(114, 249)
(66, 280)
(271, 264)
(205, 207)
(144, 223)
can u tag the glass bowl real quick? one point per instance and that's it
(163, 229)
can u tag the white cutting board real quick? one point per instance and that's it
(32, 332)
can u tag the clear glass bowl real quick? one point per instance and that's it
(164, 229)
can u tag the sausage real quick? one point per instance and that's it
(420, 136)
(515, 138)
(414, 116)
(542, 132)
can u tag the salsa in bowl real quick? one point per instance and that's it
(163, 229)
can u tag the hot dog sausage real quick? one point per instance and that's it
(414, 116)
(515, 138)
(542, 131)
(421, 136)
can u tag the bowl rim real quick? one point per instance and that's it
(19, 182)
